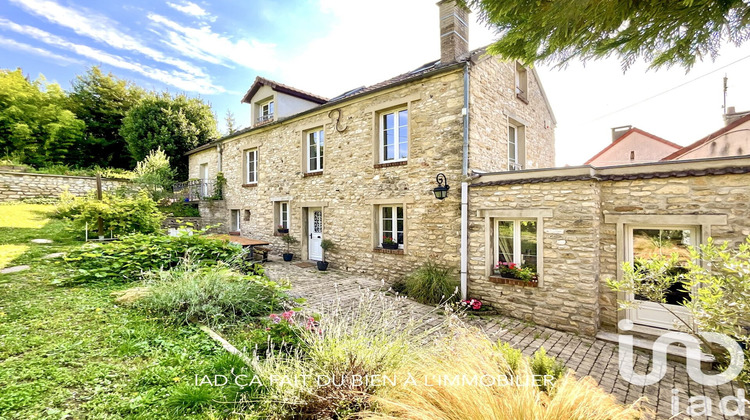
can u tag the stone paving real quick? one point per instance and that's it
(587, 356)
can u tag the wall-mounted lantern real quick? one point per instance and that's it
(441, 191)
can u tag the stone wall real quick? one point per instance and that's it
(20, 185)
(567, 296)
(493, 102)
(352, 185)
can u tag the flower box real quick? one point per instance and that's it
(282, 230)
(390, 246)
(514, 282)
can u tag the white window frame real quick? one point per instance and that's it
(394, 222)
(396, 129)
(522, 82)
(284, 214)
(513, 161)
(251, 169)
(516, 240)
(266, 108)
(236, 217)
(319, 146)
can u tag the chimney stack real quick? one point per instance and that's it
(617, 132)
(454, 31)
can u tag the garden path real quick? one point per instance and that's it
(587, 356)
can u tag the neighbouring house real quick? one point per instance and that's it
(362, 166)
(632, 145)
(731, 140)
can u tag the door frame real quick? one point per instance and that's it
(632, 312)
(310, 211)
(303, 212)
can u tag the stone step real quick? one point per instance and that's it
(675, 352)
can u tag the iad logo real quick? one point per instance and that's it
(693, 349)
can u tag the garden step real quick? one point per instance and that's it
(42, 241)
(674, 352)
(15, 269)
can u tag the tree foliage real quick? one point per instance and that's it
(174, 124)
(154, 174)
(101, 101)
(35, 126)
(662, 32)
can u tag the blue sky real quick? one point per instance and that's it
(215, 49)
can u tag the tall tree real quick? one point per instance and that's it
(230, 122)
(101, 101)
(35, 126)
(662, 32)
(174, 124)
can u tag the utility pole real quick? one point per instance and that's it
(99, 221)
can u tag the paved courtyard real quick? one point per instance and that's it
(585, 355)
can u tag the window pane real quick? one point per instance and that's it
(512, 145)
(321, 136)
(649, 243)
(403, 146)
(400, 225)
(528, 245)
(270, 107)
(402, 118)
(388, 152)
(504, 241)
(388, 121)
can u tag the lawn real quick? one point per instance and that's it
(70, 352)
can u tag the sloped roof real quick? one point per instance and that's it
(627, 133)
(280, 87)
(708, 138)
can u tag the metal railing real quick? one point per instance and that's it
(198, 189)
(264, 118)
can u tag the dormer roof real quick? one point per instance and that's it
(279, 87)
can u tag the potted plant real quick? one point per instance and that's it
(327, 245)
(389, 243)
(282, 229)
(511, 273)
(289, 240)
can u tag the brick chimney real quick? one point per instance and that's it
(454, 31)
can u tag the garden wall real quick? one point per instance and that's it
(16, 186)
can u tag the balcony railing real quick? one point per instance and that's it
(262, 119)
(198, 189)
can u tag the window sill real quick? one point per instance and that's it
(513, 282)
(309, 174)
(389, 164)
(522, 98)
(388, 251)
(254, 184)
(277, 233)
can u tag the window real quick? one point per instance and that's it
(522, 83)
(281, 214)
(315, 140)
(516, 242)
(265, 111)
(516, 146)
(235, 222)
(394, 136)
(392, 224)
(251, 166)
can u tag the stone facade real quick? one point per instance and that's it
(494, 105)
(582, 209)
(354, 185)
(16, 186)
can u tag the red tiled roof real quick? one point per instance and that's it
(708, 138)
(627, 133)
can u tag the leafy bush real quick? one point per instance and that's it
(546, 366)
(431, 284)
(154, 174)
(215, 297)
(180, 209)
(127, 259)
(120, 214)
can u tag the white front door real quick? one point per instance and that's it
(646, 242)
(315, 235)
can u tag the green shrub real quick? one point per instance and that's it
(215, 297)
(120, 214)
(180, 209)
(127, 259)
(190, 399)
(154, 174)
(431, 284)
(543, 365)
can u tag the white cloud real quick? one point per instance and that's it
(203, 43)
(20, 46)
(182, 80)
(101, 29)
(190, 8)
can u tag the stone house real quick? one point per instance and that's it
(362, 166)
(632, 145)
(731, 140)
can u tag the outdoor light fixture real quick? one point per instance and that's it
(441, 191)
